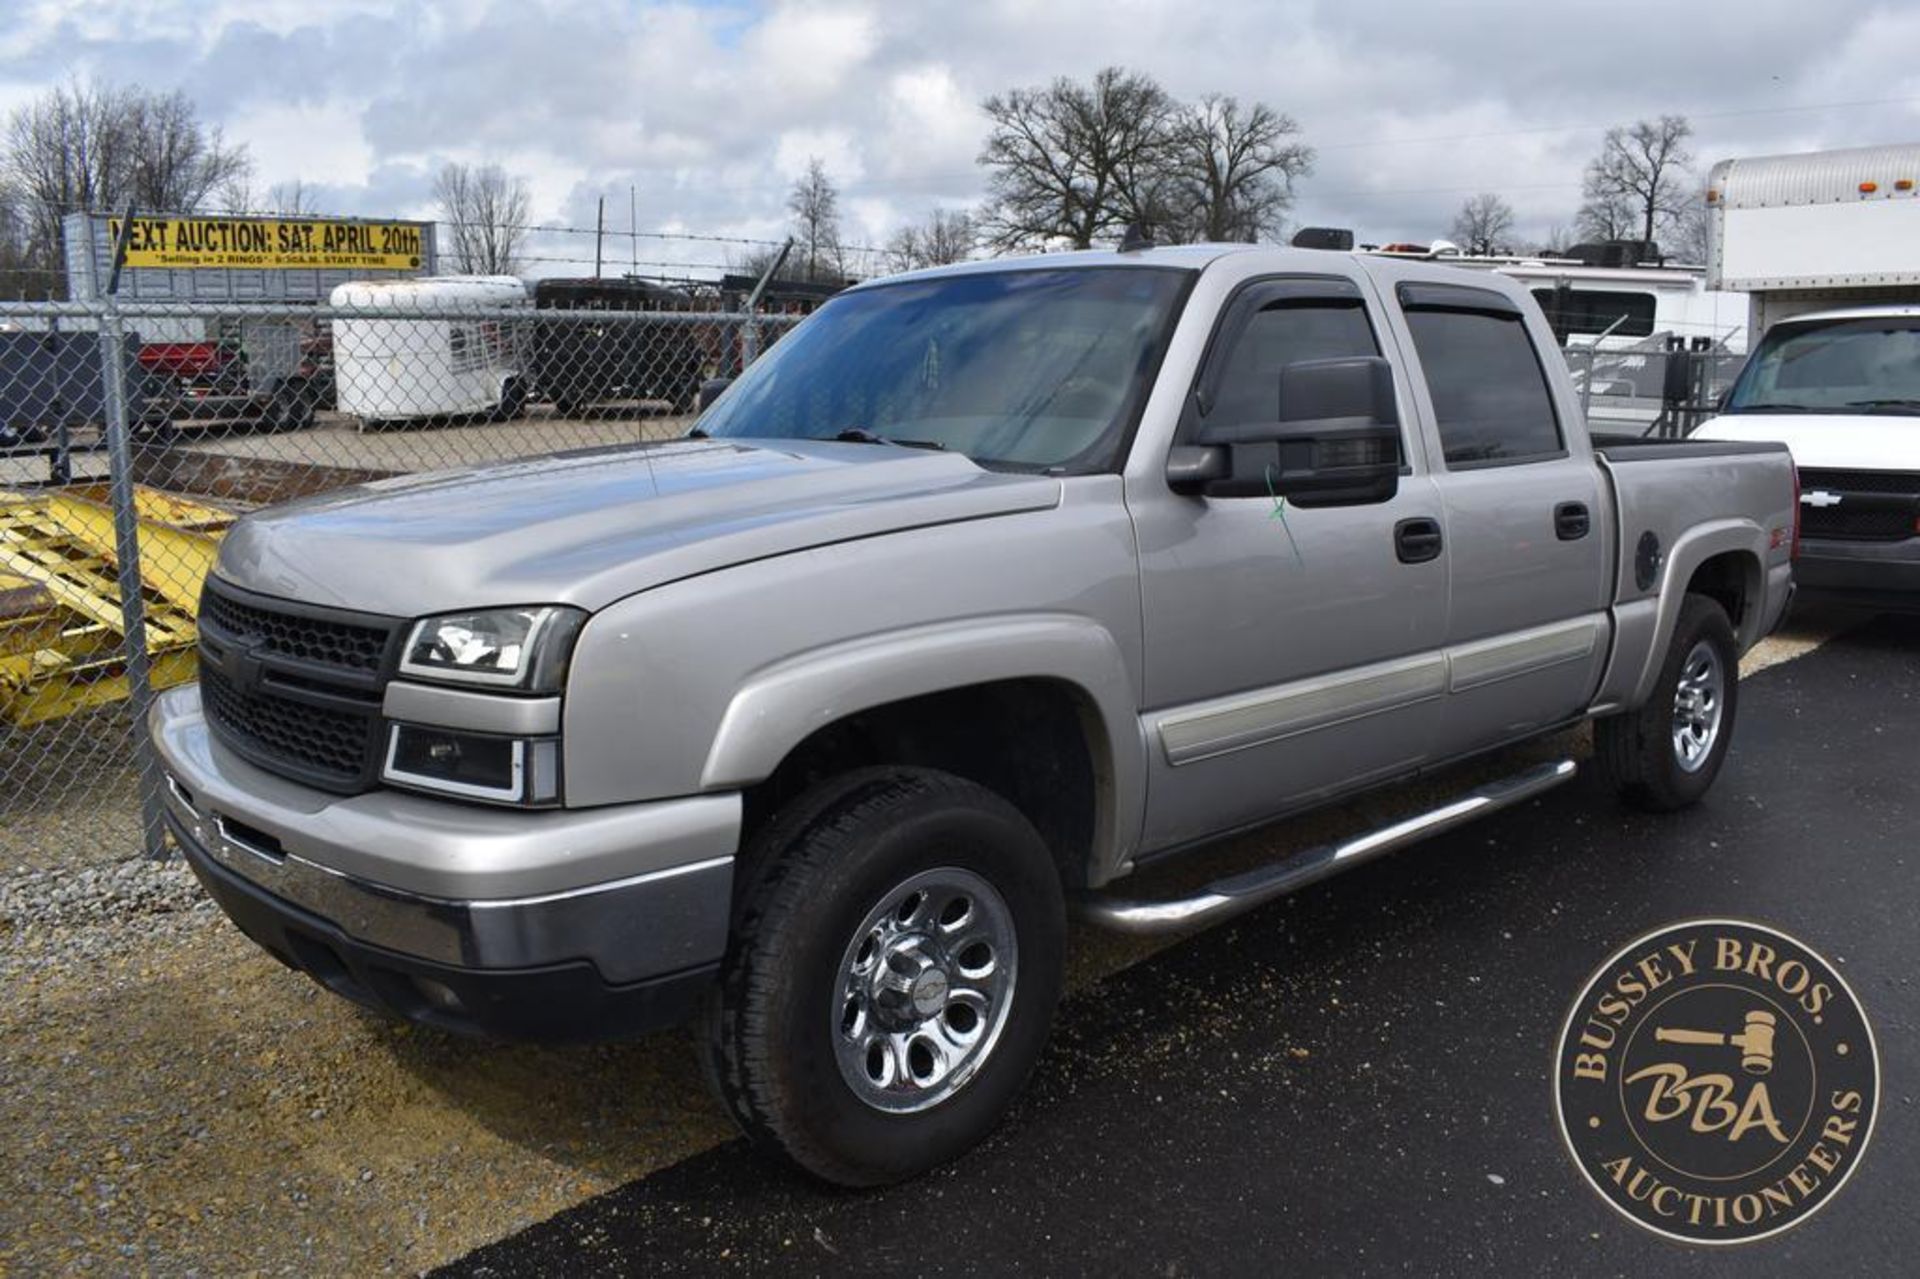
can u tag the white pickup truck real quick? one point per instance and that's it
(1827, 248)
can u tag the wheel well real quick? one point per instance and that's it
(1732, 580)
(1027, 740)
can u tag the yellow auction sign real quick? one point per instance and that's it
(271, 242)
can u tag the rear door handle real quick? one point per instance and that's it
(1417, 540)
(1571, 521)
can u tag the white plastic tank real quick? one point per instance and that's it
(438, 365)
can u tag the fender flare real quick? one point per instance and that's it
(1695, 547)
(781, 705)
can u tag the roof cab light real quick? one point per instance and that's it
(525, 649)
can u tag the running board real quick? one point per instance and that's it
(1237, 894)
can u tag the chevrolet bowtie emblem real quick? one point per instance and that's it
(1819, 497)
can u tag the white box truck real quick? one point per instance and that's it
(1827, 247)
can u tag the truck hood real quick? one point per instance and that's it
(1828, 441)
(590, 527)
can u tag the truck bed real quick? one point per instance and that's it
(1620, 447)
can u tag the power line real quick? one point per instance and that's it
(1588, 128)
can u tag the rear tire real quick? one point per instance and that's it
(1665, 756)
(513, 401)
(897, 947)
(290, 409)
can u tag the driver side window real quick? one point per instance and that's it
(1284, 332)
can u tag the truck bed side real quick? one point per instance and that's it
(1694, 515)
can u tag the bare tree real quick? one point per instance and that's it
(1692, 240)
(293, 197)
(1484, 225)
(1232, 171)
(1605, 218)
(87, 147)
(1554, 243)
(815, 205)
(945, 235)
(1070, 163)
(485, 210)
(177, 164)
(1641, 175)
(21, 274)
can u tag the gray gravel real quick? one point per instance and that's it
(67, 914)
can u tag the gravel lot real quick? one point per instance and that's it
(176, 1100)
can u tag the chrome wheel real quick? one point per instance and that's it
(1699, 701)
(926, 984)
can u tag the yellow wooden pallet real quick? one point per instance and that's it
(62, 636)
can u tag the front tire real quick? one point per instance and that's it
(1665, 756)
(897, 948)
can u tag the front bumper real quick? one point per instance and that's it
(562, 924)
(1874, 574)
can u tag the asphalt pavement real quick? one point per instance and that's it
(1356, 1080)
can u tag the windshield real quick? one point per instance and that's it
(1026, 370)
(1835, 366)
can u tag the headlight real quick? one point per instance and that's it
(518, 648)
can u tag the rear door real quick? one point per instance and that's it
(1530, 541)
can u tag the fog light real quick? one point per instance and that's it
(478, 765)
(438, 994)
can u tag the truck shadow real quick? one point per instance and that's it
(1412, 989)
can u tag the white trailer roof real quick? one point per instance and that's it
(1827, 220)
(1815, 177)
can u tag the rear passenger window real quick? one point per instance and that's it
(1280, 334)
(1489, 392)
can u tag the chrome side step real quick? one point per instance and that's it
(1237, 894)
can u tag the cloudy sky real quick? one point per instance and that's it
(709, 110)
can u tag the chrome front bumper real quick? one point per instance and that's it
(634, 890)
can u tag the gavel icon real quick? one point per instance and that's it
(1755, 1042)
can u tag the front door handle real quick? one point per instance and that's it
(1417, 540)
(1571, 521)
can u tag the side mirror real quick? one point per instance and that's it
(710, 391)
(1334, 441)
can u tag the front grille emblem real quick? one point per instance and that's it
(1821, 498)
(241, 664)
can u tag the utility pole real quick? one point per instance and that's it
(599, 234)
(633, 224)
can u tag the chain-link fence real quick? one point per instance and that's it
(1650, 389)
(133, 435)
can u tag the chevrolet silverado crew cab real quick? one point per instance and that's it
(982, 589)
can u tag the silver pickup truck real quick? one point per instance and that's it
(984, 588)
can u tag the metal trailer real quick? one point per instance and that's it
(1816, 232)
(577, 362)
(53, 395)
(438, 362)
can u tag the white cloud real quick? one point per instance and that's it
(708, 111)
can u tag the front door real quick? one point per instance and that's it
(1290, 652)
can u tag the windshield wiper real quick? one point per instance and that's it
(1771, 408)
(861, 435)
(1910, 405)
